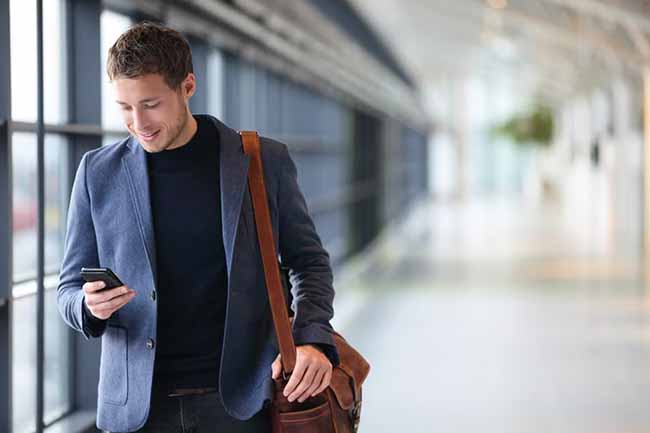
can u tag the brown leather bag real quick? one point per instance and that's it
(338, 408)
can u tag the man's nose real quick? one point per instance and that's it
(140, 120)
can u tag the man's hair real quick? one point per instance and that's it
(150, 48)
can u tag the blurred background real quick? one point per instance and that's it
(478, 171)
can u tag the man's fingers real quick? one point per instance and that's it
(97, 290)
(108, 312)
(296, 377)
(115, 293)
(93, 286)
(324, 383)
(114, 304)
(304, 384)
(315, 383)
(276, 367)
(107, 295)
(109, 307)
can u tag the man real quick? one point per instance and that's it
(188, 342)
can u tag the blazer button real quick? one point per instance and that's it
(150, 344)
(153, 295)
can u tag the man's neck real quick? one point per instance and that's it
(188, 132)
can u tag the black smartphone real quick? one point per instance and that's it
(101, 274)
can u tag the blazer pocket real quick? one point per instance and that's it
(113, 371)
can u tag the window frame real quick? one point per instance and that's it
(83, 132)
(6, 249)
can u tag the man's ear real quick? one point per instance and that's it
(189, 85)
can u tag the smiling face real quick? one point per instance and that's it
(157, 115)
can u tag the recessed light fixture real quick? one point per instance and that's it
(497, 4)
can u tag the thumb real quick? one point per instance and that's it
(276, 367)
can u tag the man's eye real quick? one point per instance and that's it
(125, 108)
(148, 106)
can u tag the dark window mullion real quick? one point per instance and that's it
(40, 237)
(6, 255)
(66, 128)
(200, 52)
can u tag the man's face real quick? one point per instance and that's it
(153, 112)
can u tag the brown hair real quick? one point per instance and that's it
(150, 48)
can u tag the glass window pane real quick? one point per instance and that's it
(57, 390)
(215, 83)
(25, 205)
(56, 200)
(23, 358)
(54, 57)
(112, 26)
(22, 14)
(110, 139)
(23, 61)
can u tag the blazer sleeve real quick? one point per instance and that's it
(310, 273)
(80, 249)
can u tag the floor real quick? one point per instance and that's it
(500, 316)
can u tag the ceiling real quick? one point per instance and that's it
(558, 46)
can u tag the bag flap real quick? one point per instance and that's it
(342, 387)
(350, 374)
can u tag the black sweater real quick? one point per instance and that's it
(190, 259)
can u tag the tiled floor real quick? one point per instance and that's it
(500, 317)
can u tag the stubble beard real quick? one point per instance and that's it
(178, 130)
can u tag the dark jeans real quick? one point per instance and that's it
(198, 414)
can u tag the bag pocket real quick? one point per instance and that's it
(315, 420)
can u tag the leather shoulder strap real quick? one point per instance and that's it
(251, 143)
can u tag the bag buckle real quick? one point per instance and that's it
(356, 416)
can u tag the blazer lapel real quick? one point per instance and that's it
(135, 164)
(233, 165)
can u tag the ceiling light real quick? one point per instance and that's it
(497, 4)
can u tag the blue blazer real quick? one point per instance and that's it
(110, 224)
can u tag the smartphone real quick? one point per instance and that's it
(101, 274)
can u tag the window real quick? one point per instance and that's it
(57, 345)
(24, 362)
(57, 388)
(56, 200)
(25, 205)
(214, 84)
(57, 358)
(54, 57)
(23, 61)
(24, 181)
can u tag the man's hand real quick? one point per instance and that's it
(311, 376)
(103, 304)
